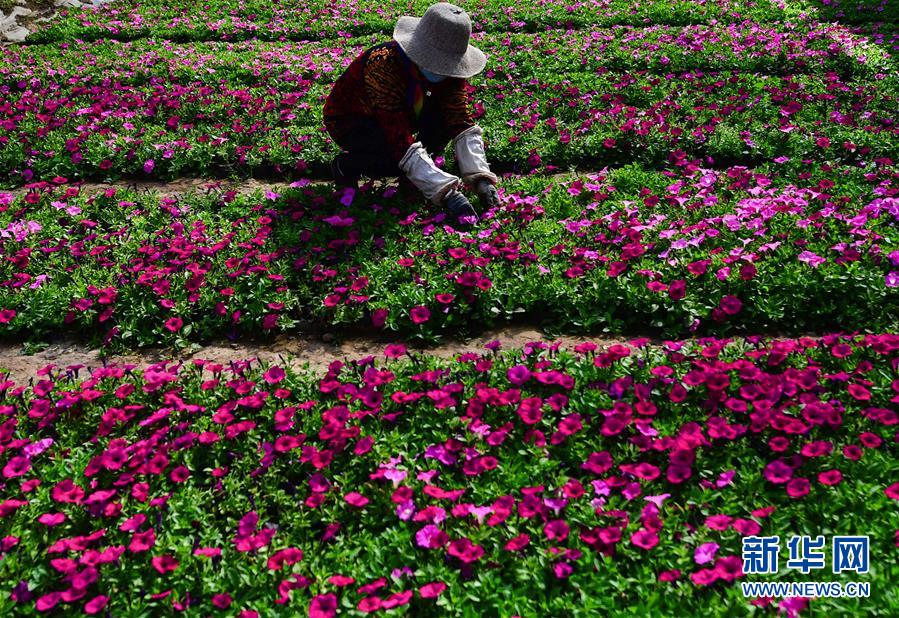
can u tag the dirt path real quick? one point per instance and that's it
(181, 186)
(294, 350)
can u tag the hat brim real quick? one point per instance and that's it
(465, 65)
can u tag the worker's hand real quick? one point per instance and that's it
(487, 193)
(458, 208)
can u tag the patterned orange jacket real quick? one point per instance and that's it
(384, 85)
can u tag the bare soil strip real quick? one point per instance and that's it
(295, 350)
(181, 186)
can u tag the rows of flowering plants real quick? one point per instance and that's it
(192, 110)
(292, 19)
(806, 47)
(534, 483)
(695, 250)
(857, 11)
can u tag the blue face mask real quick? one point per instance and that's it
(432, 77)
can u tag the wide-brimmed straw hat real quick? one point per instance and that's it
(438, 41)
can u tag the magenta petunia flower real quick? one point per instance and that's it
(562, 570)
(379, 318)
(142, 541)
(395, 350)
(48, 601)
(677, 290)
(519, 542)
(597, 463)
(859, 392)
(432, 590)
(284, 557)
(323, 606)
(670, 576)
(518, 375)
(556, 530)
(274, 375)
(341, 580)
(397, 599)
(812, 259)
(16, 466)
(431, 537)
(646, 471)
(174, 324)
(370, 604)
(222, 600)
(746, 527)
(730, 305)
(67, 491)
(420, 314)
(529, 410)
(705, 553)
(52, 519)
(792, 607)
(96, 605)
(798, 487)
(830, 477)
(677, 473)
(704, 577)
(892, 491)
(466, 551)
(729, 568)
(718, 522)
(356, 499)
(852, 452)
(179, 474)
(778, 472)
(645, 539)
(164, 564)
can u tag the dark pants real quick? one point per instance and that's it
(366, 151)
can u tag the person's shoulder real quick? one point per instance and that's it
(452, 85)
(384, 53)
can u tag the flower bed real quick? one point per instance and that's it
(700, 251)
(550, 100)
(229, 20)
(534, 482)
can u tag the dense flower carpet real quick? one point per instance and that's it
(714, 182)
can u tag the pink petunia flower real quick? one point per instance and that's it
(432, 590)
(798, 487)
(274, 375)
(466, 551)
(356, 499)
(164, 564)
(420, 314)
(778, 472)
(645, 539)
(222, 600)
(431, 537)
(174, 324)
(730, 305)
(323, 606)
(705, 553)
(52, 519)
(96, 605)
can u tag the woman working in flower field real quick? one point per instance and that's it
(414, 83)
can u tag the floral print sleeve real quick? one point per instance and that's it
(456, 106)
(386, 87)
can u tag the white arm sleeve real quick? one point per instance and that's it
(432, 181)
(469, 149)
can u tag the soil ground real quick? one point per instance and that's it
(295, 350)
